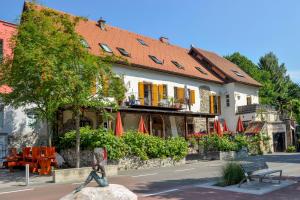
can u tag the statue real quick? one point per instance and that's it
(98, 168)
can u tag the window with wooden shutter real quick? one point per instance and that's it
(219, 105)
(211, 104)
(141, 93)
(94, 87)
(180, 95)
(192, 97)
(160, 92)
(154, 95)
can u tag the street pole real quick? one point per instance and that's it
(27, 174)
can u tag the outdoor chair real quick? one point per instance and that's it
(12, 159)
(45, 166)
(36, 154)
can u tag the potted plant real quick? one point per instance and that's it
(171, 101)
(177, 104)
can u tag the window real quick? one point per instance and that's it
(178, 65)
(84, 43)
(1, 116)
(249, 100)
(142, 42)
(156, 60)
(162, 92)
(227, 100)
(31, 118)
(123, 52)
(1, 51)
(200, 70)
(238, 73)
(106, 48)
(215, 104)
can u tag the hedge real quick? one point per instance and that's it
(131, 143)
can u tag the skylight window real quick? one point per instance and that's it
(84, 43)
(156, 60)
(238, 73)
(177, 64)
(123, 52)
(200, 70)
(106, 48)
(142, 42)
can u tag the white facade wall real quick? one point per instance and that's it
(238, 93)
(132, 76)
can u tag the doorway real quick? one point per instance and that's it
(279, 142)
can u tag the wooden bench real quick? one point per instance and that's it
(258, 169)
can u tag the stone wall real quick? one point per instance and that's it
(204, 103)
(86, 159)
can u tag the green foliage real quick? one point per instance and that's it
(278, 89)
(232, 173)
(291, 149)
(131, 144)
(91, 139)
(258, 143)
(215, 143)
(241, 141)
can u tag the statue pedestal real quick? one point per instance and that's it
(111, 192)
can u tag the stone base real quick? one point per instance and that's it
(222, 155)
(112, 192)
(80, 174)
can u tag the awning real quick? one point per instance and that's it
(254, 127)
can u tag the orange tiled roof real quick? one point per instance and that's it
(139, 54)
(227, 67)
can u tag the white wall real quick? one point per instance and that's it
(134, 75)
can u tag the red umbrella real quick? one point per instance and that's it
(142, 126)
(219, 129)
(225, 128)
(240, 126)
(119, 127)
(215, 126)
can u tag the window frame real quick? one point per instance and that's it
(123, 51)
(105, 48)
(142, 42)
(84, 43)
(227, 100)
(177, 64)
(249, 100)
(200, 70)
(156, 60)
(238, 73)
(1, 50)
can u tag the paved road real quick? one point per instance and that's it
(168, 183)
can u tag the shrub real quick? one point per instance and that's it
(90, 139)
(241, 141)
(291, 149)
(214, 142)
(131, 143)
(232, 173)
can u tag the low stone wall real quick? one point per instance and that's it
(137, 163)
(222, 155)
(79, 174)
(86, 159)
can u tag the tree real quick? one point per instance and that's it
(278, 89)
(52, 68)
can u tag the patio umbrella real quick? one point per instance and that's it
(219, 129)
(225, 128)
(215, 126)
(240, 126)
(119, 127)
(142, 126)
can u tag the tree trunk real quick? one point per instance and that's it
(77, 125)
(49, 133)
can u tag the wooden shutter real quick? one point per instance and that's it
(219, 104)
(180, 94)
(211, 103)
(94, 87)
(141, 93)
(161, 91)
(192, 97)
(105, 85)
(154, 95)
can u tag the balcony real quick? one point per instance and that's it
(255, 108)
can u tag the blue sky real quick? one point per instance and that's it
(252, 27)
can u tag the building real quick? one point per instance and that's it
(177, 90)
(15, 124)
